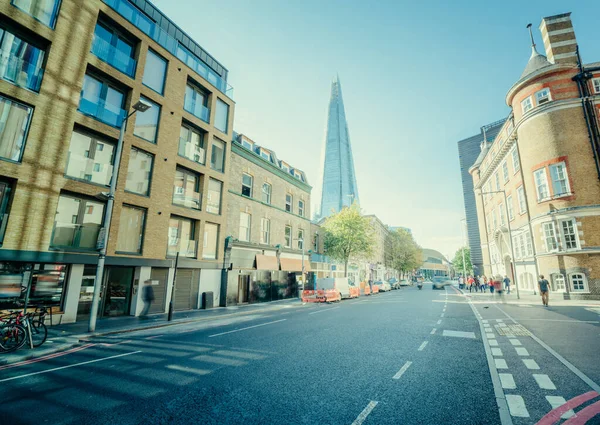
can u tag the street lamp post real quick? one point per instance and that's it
(140, 106)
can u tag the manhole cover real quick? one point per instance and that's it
(512, 330)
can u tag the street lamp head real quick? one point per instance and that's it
(142, 105)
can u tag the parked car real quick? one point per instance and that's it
(394, 283)
(346, 287)
(383, 286)
(405, 282)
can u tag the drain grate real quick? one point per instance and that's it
(512, 330)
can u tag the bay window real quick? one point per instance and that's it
(560, 182)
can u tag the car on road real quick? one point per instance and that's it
(404, 282)
(383, 286)
(394, 283)
(440, 282)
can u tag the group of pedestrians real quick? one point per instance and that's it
(482, 284)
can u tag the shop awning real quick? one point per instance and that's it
(294, 264)
(266, 262)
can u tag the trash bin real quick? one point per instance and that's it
(207, 300)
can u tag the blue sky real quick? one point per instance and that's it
(416, 78)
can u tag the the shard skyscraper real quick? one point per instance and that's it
(339, 180)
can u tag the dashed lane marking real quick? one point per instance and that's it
(522, 351)
(500, 364)
(544, 381)
(499, 320)
(493, 342)
(484, 321)
(432, 331)
(557, 401)
(249, 327)
(516, 405)
(531, 364)
(496, 351)
(515, 342)
(490, 336)
(442, 315)
(423, 346)
(322, 311)
(363, 415)
(508, 382)
(439, 322)
(459, 334)
(402, 370)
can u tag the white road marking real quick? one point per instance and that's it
(402, 370)
(422, 346)
(442, 315)
(516, 405)
(557, 401)
(515, 342)
(459, 334)
(363, 415)
(66, 367)
(249, 327)
(493, 342)
(496, 351)
(321, 311)
(522, 351)
(432, 331)
(500, 364)
(486, 325)
(484, 321)
(531, 364)
(508, 382)
(499, 320)
(439, 322)
(490, 336)
(544, 381)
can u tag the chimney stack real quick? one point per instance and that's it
(559, 38)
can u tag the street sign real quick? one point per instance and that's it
(100, 240)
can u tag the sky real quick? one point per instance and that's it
(417, 77)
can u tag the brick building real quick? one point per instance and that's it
(70, 72)
(537, 185)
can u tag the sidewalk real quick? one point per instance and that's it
(527, 298)
(64, 337)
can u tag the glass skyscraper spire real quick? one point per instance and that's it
(339, 180)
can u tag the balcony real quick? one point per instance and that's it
(144, 24)
(186, 248)
(197, 109)
(192, 151)
(75, 236)
(108, 53)
(187, 198)
(20, 72)
(102, 111)
(83, 168)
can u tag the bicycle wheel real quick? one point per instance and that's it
(39, 333)
(12, 337)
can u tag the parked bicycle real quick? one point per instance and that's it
(18, 329)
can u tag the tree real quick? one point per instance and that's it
(458, 261)
(347, 234)
(402, 253)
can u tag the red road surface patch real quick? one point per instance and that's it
(48, 357)
(554, 415)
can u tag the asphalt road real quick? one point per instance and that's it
(403, 357)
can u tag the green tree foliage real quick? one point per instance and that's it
(402, 253)
(347, 234)
(458, 261)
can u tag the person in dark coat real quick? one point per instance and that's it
(147, 297)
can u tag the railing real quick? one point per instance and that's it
(144, 24)
(191, 151)
(187, 198)
(197, 109)
(78, 236)
(79, 166)
(186, 248)
(20, 72)
(319, 258)
(102, 111)
(113, 56)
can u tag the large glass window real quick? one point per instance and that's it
(215, 191)
(247, 184)
(245, 222)
(77, 223)
(131, 229)
(21, 63)
(217, 155)
(191, 144)
(265, 231)
(114, 49)
(146, 123)
(196, 102)
(186, 191)
(90, 158)
(182, 239)
(155, 72)
(266, 193)
(6, 189)
(211, 241)
(221, 116)
(541, 184)
(102, 101)
(288, 236)
(560, 181)
(550, 237)
(44, 11)
(139, 172)
(14, 123)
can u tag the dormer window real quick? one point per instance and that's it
(266, 155)
(284, 167)
(543, 96)
(247, 144)
(526, 104)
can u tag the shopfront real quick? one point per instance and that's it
(45, 284)
(115, 293)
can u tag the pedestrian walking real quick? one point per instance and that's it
(461, 283)
(544, 287)
(471, 282)
(147, 297)
(507, 284)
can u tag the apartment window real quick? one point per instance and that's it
(541, 184)
(497, 180)
(558, 282)
(526, 104)
(155, 72)
(596, 82)
(191, 144)
(515, 160)
(215, 193)
(266, 193)
(196, 102)
(285, 167)
(528, 244)
(14, 124)
(77, 223)
(550, 237)
(182, 239)
(114, 49)
(131, 230)
(569, 234)
(221, 116)
(501, 214)
(245, 222)
(21, 63)
(560, 182)
(578, 282)
(515, 241)
(44, 11)
(146, 123)
(6, 189)
(511, 210)
(288, 237)
(494, 221)
(265, 231)
(301, 208)
(543, 96)
(265, 155)
(90, 158)
(211, 241)
(247, 183)
(288, 202)
(139, 172)
(102, 101)
(186, 189)
(247, 145)
(505, 172)
(521, 199)
(300, 239)
(217, 155)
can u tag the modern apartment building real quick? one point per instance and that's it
(537, 185)
(70, 73)
(468, 151)
(268, 210)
